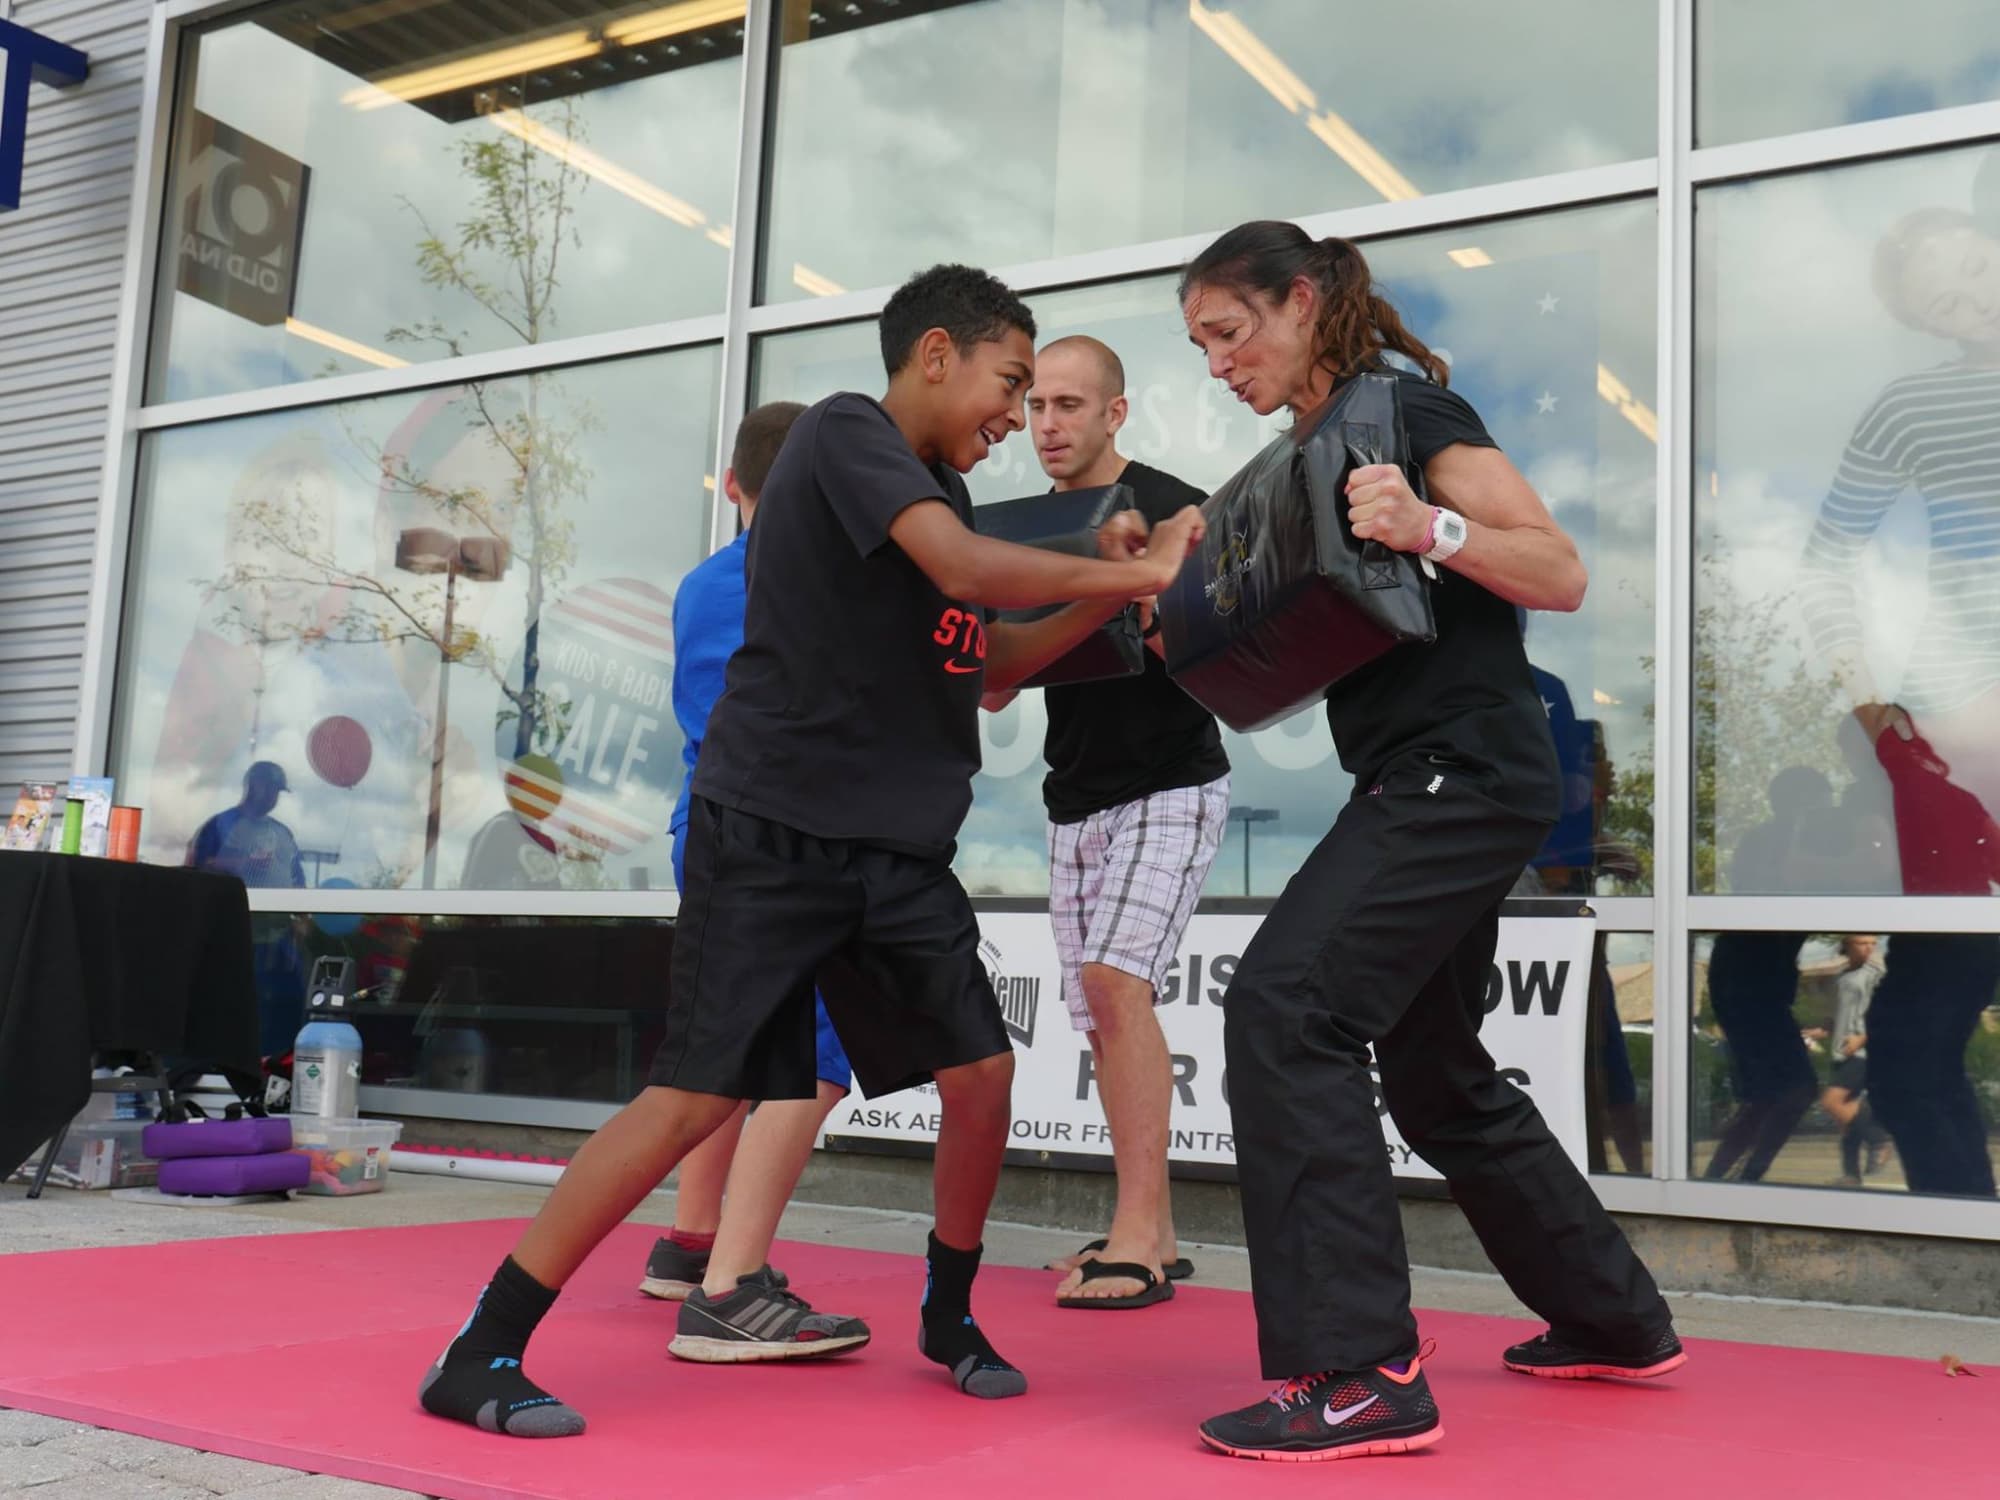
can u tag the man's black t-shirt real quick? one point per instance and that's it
(851, 710)
(1114, 742)
(1467, 698)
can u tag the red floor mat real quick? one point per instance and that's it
(306, 1350)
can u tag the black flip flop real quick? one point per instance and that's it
(1179, 1270)
(1157, 1288)
(1093, 1248)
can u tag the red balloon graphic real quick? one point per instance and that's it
(339, 750)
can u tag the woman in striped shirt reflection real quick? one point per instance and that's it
(1935, 432)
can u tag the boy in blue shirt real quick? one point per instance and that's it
(710, 1250)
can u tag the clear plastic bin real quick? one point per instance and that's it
(98, 1154)
(347, 1156)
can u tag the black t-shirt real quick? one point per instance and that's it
(1467, 698)
(851, 710)
(1114, 742)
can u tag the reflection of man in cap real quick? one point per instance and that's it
(246, 841)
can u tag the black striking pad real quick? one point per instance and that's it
(1280, 601)
(1068, 522)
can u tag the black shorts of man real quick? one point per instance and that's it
(826, 801)
(1385, 935)
(1138, 799)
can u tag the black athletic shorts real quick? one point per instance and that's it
(767, 912)
(1851, 1073)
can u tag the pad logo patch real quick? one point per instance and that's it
(1225, 589)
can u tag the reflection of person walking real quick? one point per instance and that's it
(1938, 271)
(1386, 934)
(1938, 984)
(1864, 1144)
(1753, 983)
(1924, 1013)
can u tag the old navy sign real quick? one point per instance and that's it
(29, 56)
(242, 217)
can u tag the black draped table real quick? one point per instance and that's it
(97, 954)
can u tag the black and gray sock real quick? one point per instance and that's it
(950, 1337)
(478, 1379)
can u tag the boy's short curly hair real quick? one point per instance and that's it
(971, 305)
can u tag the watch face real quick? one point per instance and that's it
(1452, 525)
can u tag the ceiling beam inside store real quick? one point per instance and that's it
(458, 59)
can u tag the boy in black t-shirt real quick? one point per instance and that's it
(826, 802)
(1138, 799)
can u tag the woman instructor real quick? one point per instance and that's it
(1386, 933)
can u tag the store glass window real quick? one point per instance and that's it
(1857, 1060)
(1011, 131)
(423, 640)
(1847, 507)
(540, 1007)
(1779, 66)
(1549, 326)
(358, 186)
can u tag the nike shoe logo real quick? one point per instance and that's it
(1347, 1413)
(961, 668)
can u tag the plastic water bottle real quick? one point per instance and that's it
(326, 1058)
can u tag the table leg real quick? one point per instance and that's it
(48, 1160)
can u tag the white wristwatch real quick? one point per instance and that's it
(1447, 535)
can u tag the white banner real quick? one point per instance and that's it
(1537, 999)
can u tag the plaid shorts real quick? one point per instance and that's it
(1123, 883)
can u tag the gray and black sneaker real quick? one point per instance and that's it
(672, 1271)
(762, 1319)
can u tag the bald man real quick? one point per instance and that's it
(1138, 797)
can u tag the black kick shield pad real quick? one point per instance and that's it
(1067, 521)
(1280, 601)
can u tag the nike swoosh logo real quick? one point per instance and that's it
(952, 666)
(1335, 1418)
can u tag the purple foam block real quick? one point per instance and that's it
(245, 1137)
(231, 1176)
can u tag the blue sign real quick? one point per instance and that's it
(29, 56)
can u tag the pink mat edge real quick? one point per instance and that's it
(343, 1465)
